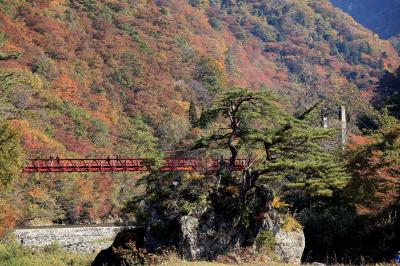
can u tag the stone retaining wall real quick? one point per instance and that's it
(75, 239)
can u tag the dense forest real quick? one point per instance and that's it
(140, 78)
(381, 16)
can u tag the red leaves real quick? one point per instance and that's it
(376, 173)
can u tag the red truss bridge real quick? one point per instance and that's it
(56, 165)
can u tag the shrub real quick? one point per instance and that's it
(266, 242)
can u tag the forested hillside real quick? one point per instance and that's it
(381, 16)
(96, 78)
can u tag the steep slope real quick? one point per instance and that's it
(381, 16)
(96, 78)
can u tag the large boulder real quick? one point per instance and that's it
(289, 237)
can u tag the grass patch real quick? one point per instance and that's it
(13, 254)
(290, 224)
(102, 240)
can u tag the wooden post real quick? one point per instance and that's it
(344, 125)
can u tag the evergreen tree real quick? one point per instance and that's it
(192, 114)
(282, 148)
(230, 62)
(10, 154)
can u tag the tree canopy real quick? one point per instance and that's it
(279, 145)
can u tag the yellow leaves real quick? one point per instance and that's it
(290, 224)
(190, 176)
(278, 204)
(34, 139)
(21, 77)
(182, 104)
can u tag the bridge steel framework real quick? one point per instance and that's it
(126, 165)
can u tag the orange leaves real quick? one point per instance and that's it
(8, 217)
(66, 89)
(278, 204)
(34, 140)
(355, 141)
(35, 193)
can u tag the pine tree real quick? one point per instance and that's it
(192, 114)
(282, 147)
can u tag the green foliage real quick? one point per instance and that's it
(9, 55)
(123, 77)
(10, 154)
(292, 149)
(210, 74)
(192, 114)
(98, 133)
(230, 65)
(44, 66)
(8, 6)
(79, 117)
(266, 241)
(137, 140)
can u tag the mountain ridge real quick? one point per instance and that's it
(382, 17)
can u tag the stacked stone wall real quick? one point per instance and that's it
(89, 239)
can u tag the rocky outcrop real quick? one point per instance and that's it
(225, 223)
(204, 239)
(289, 242)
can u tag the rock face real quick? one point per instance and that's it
(206, 235)
(202, 239)
(188, 240)
(289, 245)
(74, 239)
